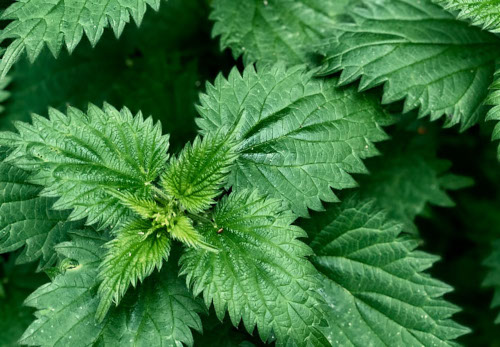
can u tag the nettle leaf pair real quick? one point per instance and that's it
(278, 137)
(105, 166)
(438, 57)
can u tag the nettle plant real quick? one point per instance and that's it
(273, 216)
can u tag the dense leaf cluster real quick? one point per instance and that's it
(304, 209)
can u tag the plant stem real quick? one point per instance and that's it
(200, 218)
(161, 194)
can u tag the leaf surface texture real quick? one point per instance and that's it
(375, 286)
(160, 312)
(299, 136)
(260, 274)
(420, 53)
(131, 256)
(195, 177)
(484, 13)
(276, 30)
(77, 156)
(28, 220)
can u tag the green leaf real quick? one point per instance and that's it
(67, 305)
(439, 65)
(131, 256)
(144, 207)
(195, 177)
(484, 13)
(4, 92)
(184, 232)
(273, 30)
(494, 113)
(374, 281)
(160, 312)
(36, 23)
(78, 156)
(168, 217)
(299, 136)
(493, 277)
(260, 274)
(28, 220)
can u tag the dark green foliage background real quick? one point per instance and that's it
(462, 235)
(161, 68)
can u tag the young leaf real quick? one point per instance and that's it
(144, 207)
(167, 218)
(493, 277)
(437, 64)
(195, 177)
(78, 156)
(484, 13)
(131, 256)
(28, 220)
(299, 136)
(275, 30)
(374, 283)
(36, 23)
(184, 232)
(160, 312)
(260, 274)
(494, 113)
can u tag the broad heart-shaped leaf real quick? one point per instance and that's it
(484, 13)
(260, 274)
(28, 220)
(494, 113)
(160, 312)
(374, 284)
(439, 65)
(77, 156)
(36, 23)
(274, 30)
(131, 256)
(493, 277)
(300, 136)
(195, 177)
